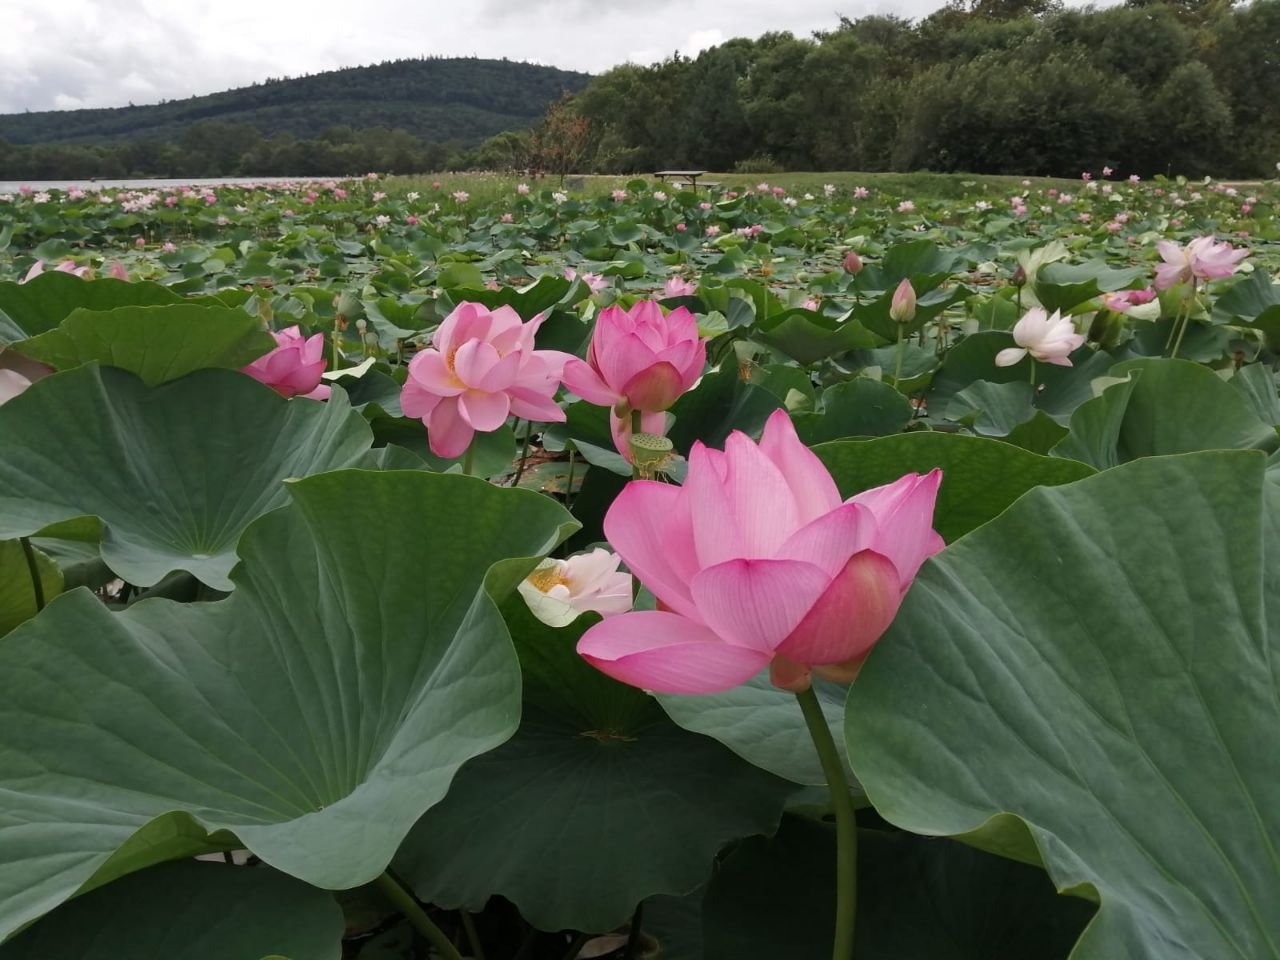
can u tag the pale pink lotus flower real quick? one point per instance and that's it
(812, 304)
(1106, 171)
(1134, 178)
(620, 429)
(12, 383)
(1114, 227)
(1086, 176)
(1048, 338)
(294, 367)
(902, 305)
(779, 192)
(378, 196)
(762, 188)
(756, 561)
(1122, 300)
(559, 591)
(139, 241)
(660, 196)
(1202, 259)
(482, 366)
(681, 227)
(906, 206)
(704, 206)
(1246, 209)
(507, 218)
(339, 193)
(861, 193)
(168, 247)
(522, 189)
(411, 220)
(595, 283)
(679, 287)
(619, 195)
(117, 271)
(66, 266)
(639, 359)
(712, 230)
(460, 196)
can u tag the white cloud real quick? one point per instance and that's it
(98, 53)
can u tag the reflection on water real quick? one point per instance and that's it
(12, 186)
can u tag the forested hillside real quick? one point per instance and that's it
(404, 114)
(992, 86)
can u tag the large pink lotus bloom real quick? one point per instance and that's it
(294, 367)
(480, 369)
(1049, 338)
(1201, 259)
(756, 560)
(640, 359)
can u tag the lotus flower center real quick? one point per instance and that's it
(548, 578)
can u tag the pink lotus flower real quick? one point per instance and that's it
(1121, 300)
(640, 359)
(902, 306)
(1106, 171)
(1202, 259)
(861, 193)
(713, 231)
(294, 367)
(12, 383)
(522, 189)
(17, 373)
(66, 266)
(481, 368)
(906, 206)
(619, 195)
(558, 591)
(117, 271)
(1048, 338)
(679, 287)
(756, 561)
(852, 263)
(595, 283)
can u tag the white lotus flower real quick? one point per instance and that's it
(559, 590)
(1050, 338)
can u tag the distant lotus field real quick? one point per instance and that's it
(876, 567)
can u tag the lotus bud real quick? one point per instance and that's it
(902, 308)
(1019, 278)
(852, 262)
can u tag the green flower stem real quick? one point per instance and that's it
(897, 366)
(637, 426)
(37, 587)
(417, 917)
(473, 935)
(1185, 315)
(634, 939)
(468, 460)
(846, 825)
(1033, 372)
(524, 452)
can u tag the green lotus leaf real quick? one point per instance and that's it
(312, 716)
(158, 344)
(1163, 407)
(1090, 680)
(596, 803)
(192, 910)
(175, 472)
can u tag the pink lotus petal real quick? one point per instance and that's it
(650, 527)
(829, 541)
(580, 378)
(448, 434)
(850, 616)
(811, 485)
(759, 499)
(485, 412)
(660, 651)
(757, 603)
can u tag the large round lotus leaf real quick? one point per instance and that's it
(191, 910)
(315, 713)
(1164, 407)
(596, 803)
(159, 344)
(980, 477)
(918, 899)
(1095, 673)
(28, 309)
(174, 472)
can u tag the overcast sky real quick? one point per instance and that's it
(65, 54)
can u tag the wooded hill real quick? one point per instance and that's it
(461, 100)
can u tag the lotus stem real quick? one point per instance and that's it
(637, 427)
(524, 452)
(634, 939)
(846, 824)
(1033, 372)
(473, 935)
(408, 905)
(1184, 315)
(897, 366)
(37, 587)
(469, 460)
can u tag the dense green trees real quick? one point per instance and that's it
(997, 86)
